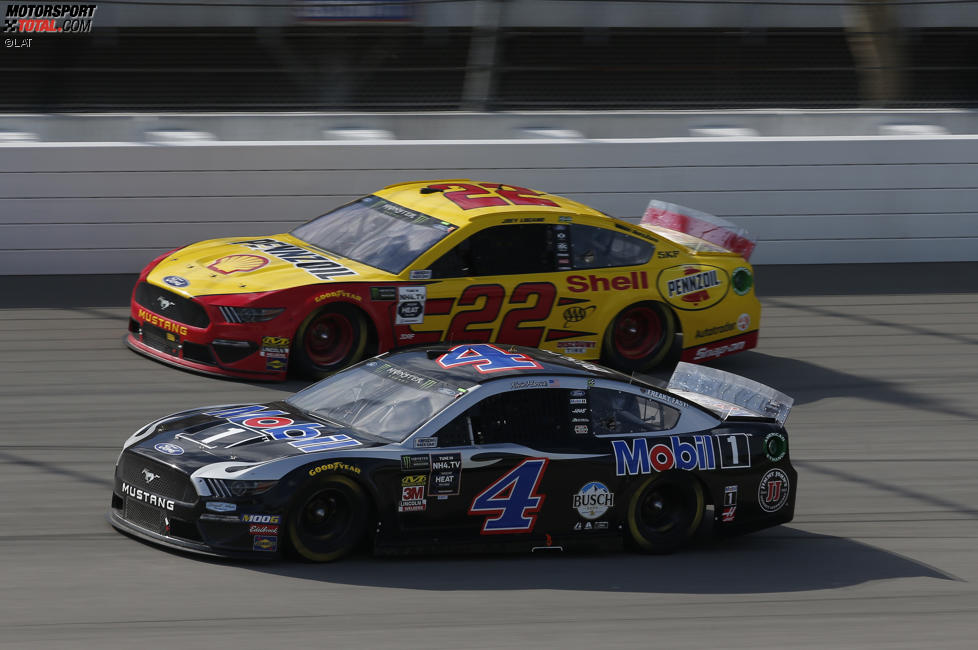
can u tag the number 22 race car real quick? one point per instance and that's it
(469, 447)
(451, 261)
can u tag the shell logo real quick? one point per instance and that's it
(692, 287)
(239, 262)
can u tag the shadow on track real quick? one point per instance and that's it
(783, 559)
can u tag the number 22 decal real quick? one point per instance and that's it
(470, 196)
(513, 499)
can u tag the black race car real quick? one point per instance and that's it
(471, 447)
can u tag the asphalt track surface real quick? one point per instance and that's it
(882, 362)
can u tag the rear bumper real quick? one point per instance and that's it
(704, 352)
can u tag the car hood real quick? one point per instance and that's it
(255, 264)
(245, 433)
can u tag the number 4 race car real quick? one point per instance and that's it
(451, 261)
(470, 447)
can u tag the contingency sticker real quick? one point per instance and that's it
(410, 305)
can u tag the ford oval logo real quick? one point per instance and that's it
(168, 448)
(175, 281)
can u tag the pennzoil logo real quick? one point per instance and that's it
(238, 263)
(691, 287)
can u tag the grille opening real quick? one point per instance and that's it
(162, 481)
(117, 502)
(198, 353)
(134, 326)
(157, 339)
(185, 530)
(144, 516)
(229, 353)
(170, 305)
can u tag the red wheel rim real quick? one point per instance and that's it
(329, 339)
(637, 332)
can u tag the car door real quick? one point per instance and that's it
(499, 284)
(523, 458)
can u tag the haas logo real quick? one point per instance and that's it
(149, 476)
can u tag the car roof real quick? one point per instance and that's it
(418, 195)
(424, 361)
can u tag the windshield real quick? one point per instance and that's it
(375, 232)
(378, 399)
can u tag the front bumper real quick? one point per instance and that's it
(188, 546)
(193, 334)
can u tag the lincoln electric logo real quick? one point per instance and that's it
(47, 18)
(149, 476)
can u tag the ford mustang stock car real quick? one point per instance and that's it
(451, 261)
(465, 447)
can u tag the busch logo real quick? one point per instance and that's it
(593, 500)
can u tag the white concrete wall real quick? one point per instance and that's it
(111, 207)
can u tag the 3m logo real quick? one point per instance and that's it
(412, 493)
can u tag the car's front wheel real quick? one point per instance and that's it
(328, 519)
(639, 337)
(665, 512)
(329, 340)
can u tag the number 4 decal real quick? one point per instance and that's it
(485, 358)
(513, 499)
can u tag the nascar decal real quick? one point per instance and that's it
(269, 424)
(315, 264)
(693, 286)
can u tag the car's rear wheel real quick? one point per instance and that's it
(665, 512)
(328, 519)
(329, 340)
(639, 337)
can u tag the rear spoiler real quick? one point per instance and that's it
(705, 226)
(728, 394)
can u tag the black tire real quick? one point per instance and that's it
(665, 512)
(329, 340)
(327, 519)
(639, 337)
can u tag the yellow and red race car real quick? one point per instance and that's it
(453, 261)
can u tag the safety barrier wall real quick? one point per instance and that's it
(111, 207)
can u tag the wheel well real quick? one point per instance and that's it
(373, 339)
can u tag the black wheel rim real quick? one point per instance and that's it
(662, 510)
(324, 519)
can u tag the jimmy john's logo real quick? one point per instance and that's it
(693, 286)
(315, 264)
(237, 263)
